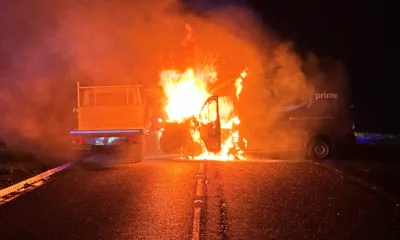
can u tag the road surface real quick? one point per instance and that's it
(155, 199)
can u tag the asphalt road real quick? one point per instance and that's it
(157, 199)
(244, 200)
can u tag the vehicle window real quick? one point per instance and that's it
(131, 98)
(111, 99)
(88, 98)
(212, 116)
(134, 97)
(204, 114)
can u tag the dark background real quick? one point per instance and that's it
(352, 32)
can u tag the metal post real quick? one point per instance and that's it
(78, 95)
(78, 102)
(143, 100)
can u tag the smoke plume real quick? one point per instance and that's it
(47, 46)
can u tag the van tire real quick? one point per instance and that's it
(319, 148)
(191, 150)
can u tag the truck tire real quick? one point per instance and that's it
(78, 157)
(319, 148)
(139, 152)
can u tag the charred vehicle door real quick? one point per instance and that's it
(210, 129)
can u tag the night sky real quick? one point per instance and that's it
(353, 33)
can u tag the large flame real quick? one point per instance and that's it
(187, 92)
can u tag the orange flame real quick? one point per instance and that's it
(186, 93)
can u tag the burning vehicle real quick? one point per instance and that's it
(317, 128)
(279, 102)
(200, 130)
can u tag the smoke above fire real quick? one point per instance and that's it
(47, 46)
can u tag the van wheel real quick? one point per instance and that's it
(319, 148)
(190, 150)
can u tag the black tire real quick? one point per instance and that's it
(319, 148)
(77, 157)
(191, 150)
(139, 152)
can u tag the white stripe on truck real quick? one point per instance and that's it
(104, 131)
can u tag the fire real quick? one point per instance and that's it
(239, 84)
(186, 93)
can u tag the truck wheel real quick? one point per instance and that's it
(77, 157)
(139, 152)
(319, 148)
